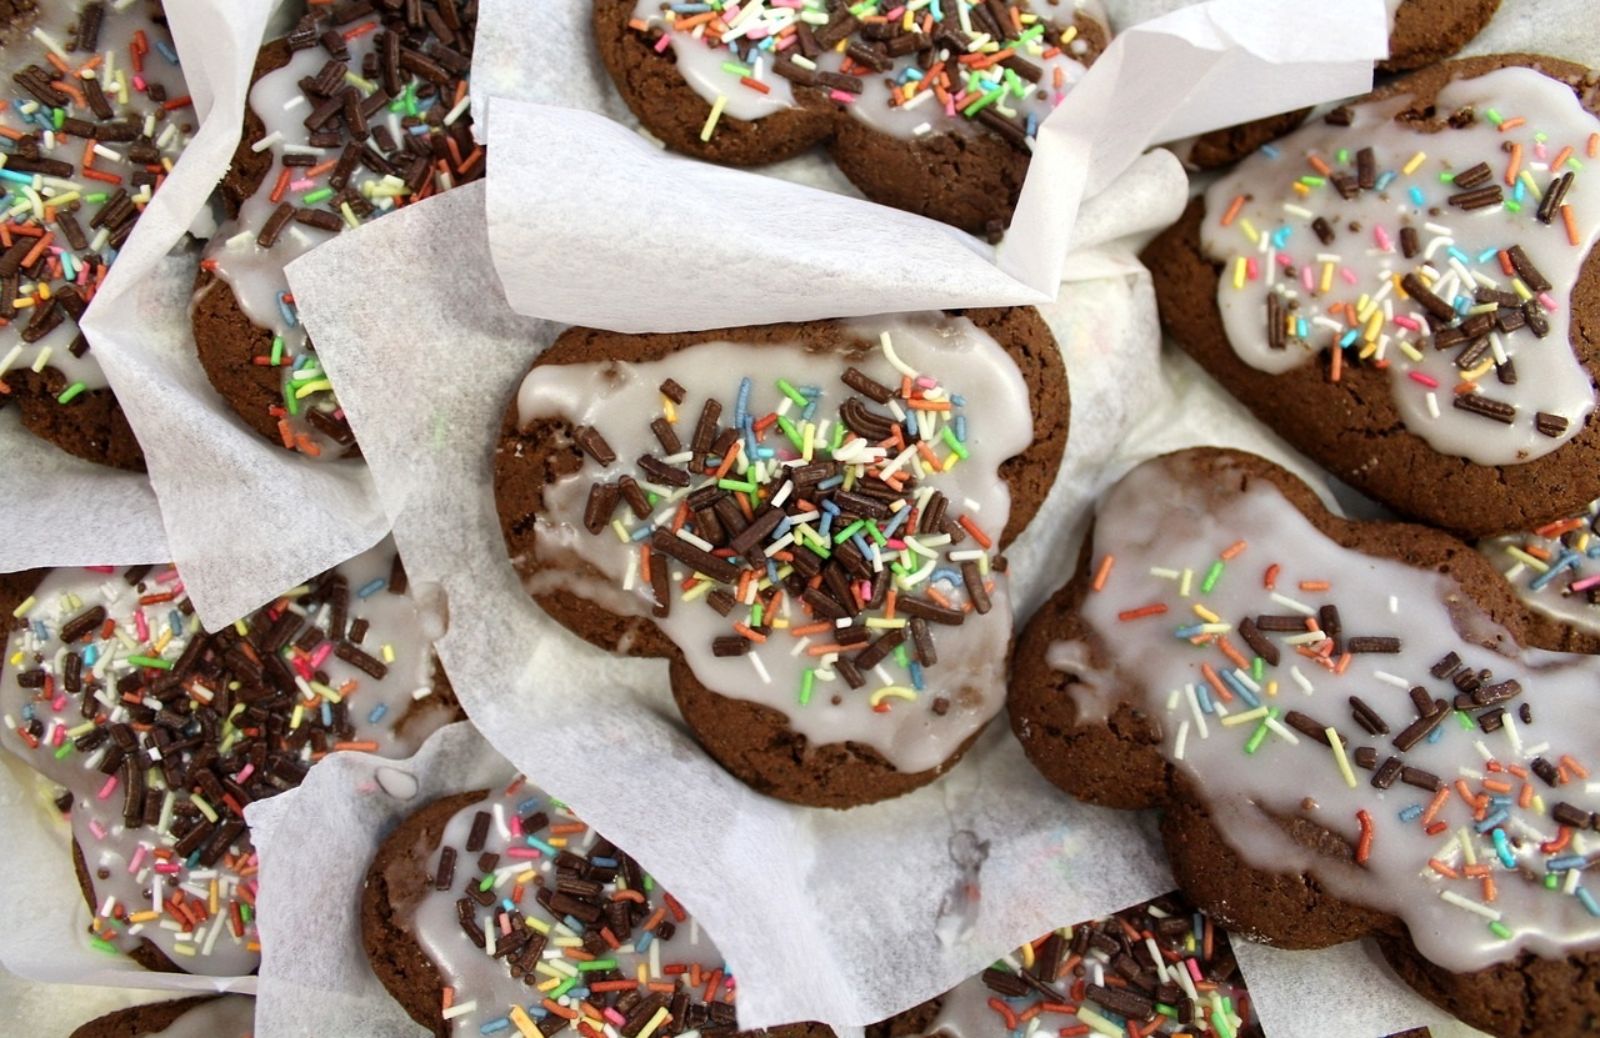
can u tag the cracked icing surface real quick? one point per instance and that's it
(161, 733)
(897, 710)
(1328, 269)
(1191, 564)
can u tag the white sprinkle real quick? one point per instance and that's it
(761, 668)
(1301, 680)
(1470, 905)
(1283, 733)
(1384, 676)
(1433, 404)
(1194, 708)
(1289, 603)
(463, 1008)
(266, 142)
(1177, 751)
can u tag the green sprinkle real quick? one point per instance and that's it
(1260, 734)
(277, 350)
(744, 486)
(563, 987)
(838, 438)
(1500, 930)
(875, 533)
(1447, 178)
(792, 393)
(70, 394)
(1310, 181)
(1037, 29)
(1550, 881)
(1258, 669)
(290, 404)
(900, 656)
(981, 103)
(96, 197)
(957, 448)
(807, 681)
(1493, 115)
(734, 68)
(790, 431)
(150, 661)
(849, 531)
(321, 194)
(59, 117)
(486, 882)
(1466, 723)
(1344, 156)
(61, 753)
(1213, 575)
(597, 964)
(101, 945)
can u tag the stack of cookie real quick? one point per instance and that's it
(1350, 730)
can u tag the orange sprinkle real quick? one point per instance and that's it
(1364, 846)
(1320, 166)
(1269, 580)
(1155, 609)
(1101, 574)
(1314, 585)
(1436, 805)
(1226, 648)
(1577, 769)
(1594, 145)
(1571, 223)
(1563, 837)
(1515, 166)
(977, 533)
(753, 635)
(1336, 368)
(1561, 159)
(1488, 887)
(1497, 785)
(1442, 869)
(1232, 551)
(810, 629)
(1233, 210)
(1216, 683)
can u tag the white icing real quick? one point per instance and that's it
(1360, 268)
(116, 67)
(378, 710)
(1161, 516)
(487, 982)
(231, 1016)
(1554, 577)
(701, 62)
(621, 399)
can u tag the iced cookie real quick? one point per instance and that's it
(1406, 292)
(931, 109)
(154, 734)
(500, 912)
(204, 1016)
(1554, 570)
(1421, 32)
(1345, 729)
(1160, 968)
(98, 113)
(360, 109)
(805, 519)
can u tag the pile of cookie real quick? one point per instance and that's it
(1351, 729)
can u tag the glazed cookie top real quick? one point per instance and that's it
(536, 923)
(1448, 257)
(908, 70)
(1554, 568)
(1291, 676)
(361, 112)
(99, 116)
(161, 733)
(1161, 963)
(816, 532)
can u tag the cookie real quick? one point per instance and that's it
(355, 112)
(1431, 343)
(1553, 569)
(203, 1016)
(1343, 728)
(752, 505)
(914, 115)
(438, 938)
(75, 189)
(1161, 961)
(156, 734)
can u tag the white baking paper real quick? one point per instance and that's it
(560, 172)
(244, 518)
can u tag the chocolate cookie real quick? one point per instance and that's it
(156, 734)
(355, 112)
(789, 495)
(460, 965)
(1336, 718)
(1421, 357)
(915, 115)
(202, 1016)
(110, 140)
(1099, 977)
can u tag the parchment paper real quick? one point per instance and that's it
(557, 164)
(244, 518)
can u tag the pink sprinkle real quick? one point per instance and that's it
(1194, 968)
(244, 774)
(895, 14)
(59, 703)
(1348, 275)
(505, 924)
(141, 626)
(1586, 583)
(1547, 302)
(1284, 261)
(168, 576)
(135, 861)
(1305, 279)
(167, 868)
(302, 185)
(523, 853)
(757, 34)
(96, 828)
(784, 43)
(926, 381)
(1252, 268)
(1539, 151)
(1427, 380)
(516, 827)
(105, 790)
(663, 43)
(1384, 241)
(897, 544)
(842, 97)
(138, 81)
(614, 1016)
(101, 569)
(321, 653)
(950, 108)
(1409, 323)
(58, 734)
(731, 14)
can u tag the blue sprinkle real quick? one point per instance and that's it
(861, 545)
(1302, 327)
(961, 428)
(1280, 237)
(1417, 198)
(782, 528)
(1493, 820)
(1188, 631)
(1204, 695)
(1385, 179)
(1502, 847)
(896, 522)
(1565, 862)
(1520, 191)
(826, 526)
(1458, 254)
(1437, 734)
(916, 675)
(286, 310)
(1240, 689)
(542, 847)
(1348, 338)
(495, 1026)
(1588, 901)
(167, 51)
(830, 483)
(644, 530)
(1269, 151)
(327, 714)
(604, 863)
(947, 574)
(957, 400)
(741, 407)
(642, 942)
(830, 509)
(90, 654)
(377, 713)
(1567, 560)
(772, 571)
(1487, 254)
(1411, 813)
(372, 587)
(1033, 125)
(527, 806)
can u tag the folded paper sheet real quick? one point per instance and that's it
(230, 501)
(555, 164)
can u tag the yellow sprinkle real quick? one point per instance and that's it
(180, 947)
(1272, 688)
(213, 896)
(1368, 350)
(1521, 289)
(1300, 189)
(1532, 186)
(716, 113)
(1239, 268)
(205, 808)
(1249, 230)
(656, 1021)
(897, 691)
(950, 462)
(1416, 160)
(388, 653)
(238, 625)
(538, 924)
(143, 917)
(1410, 351)
(1245, 718)
(23, 608)
(296, 717)
(621, 531)
(669, 409)
(524, 1024)
(1070, 35)
(1374, 326)
(1327, 277)
(1205, 614)
(1479, 371)
(1339, 756)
